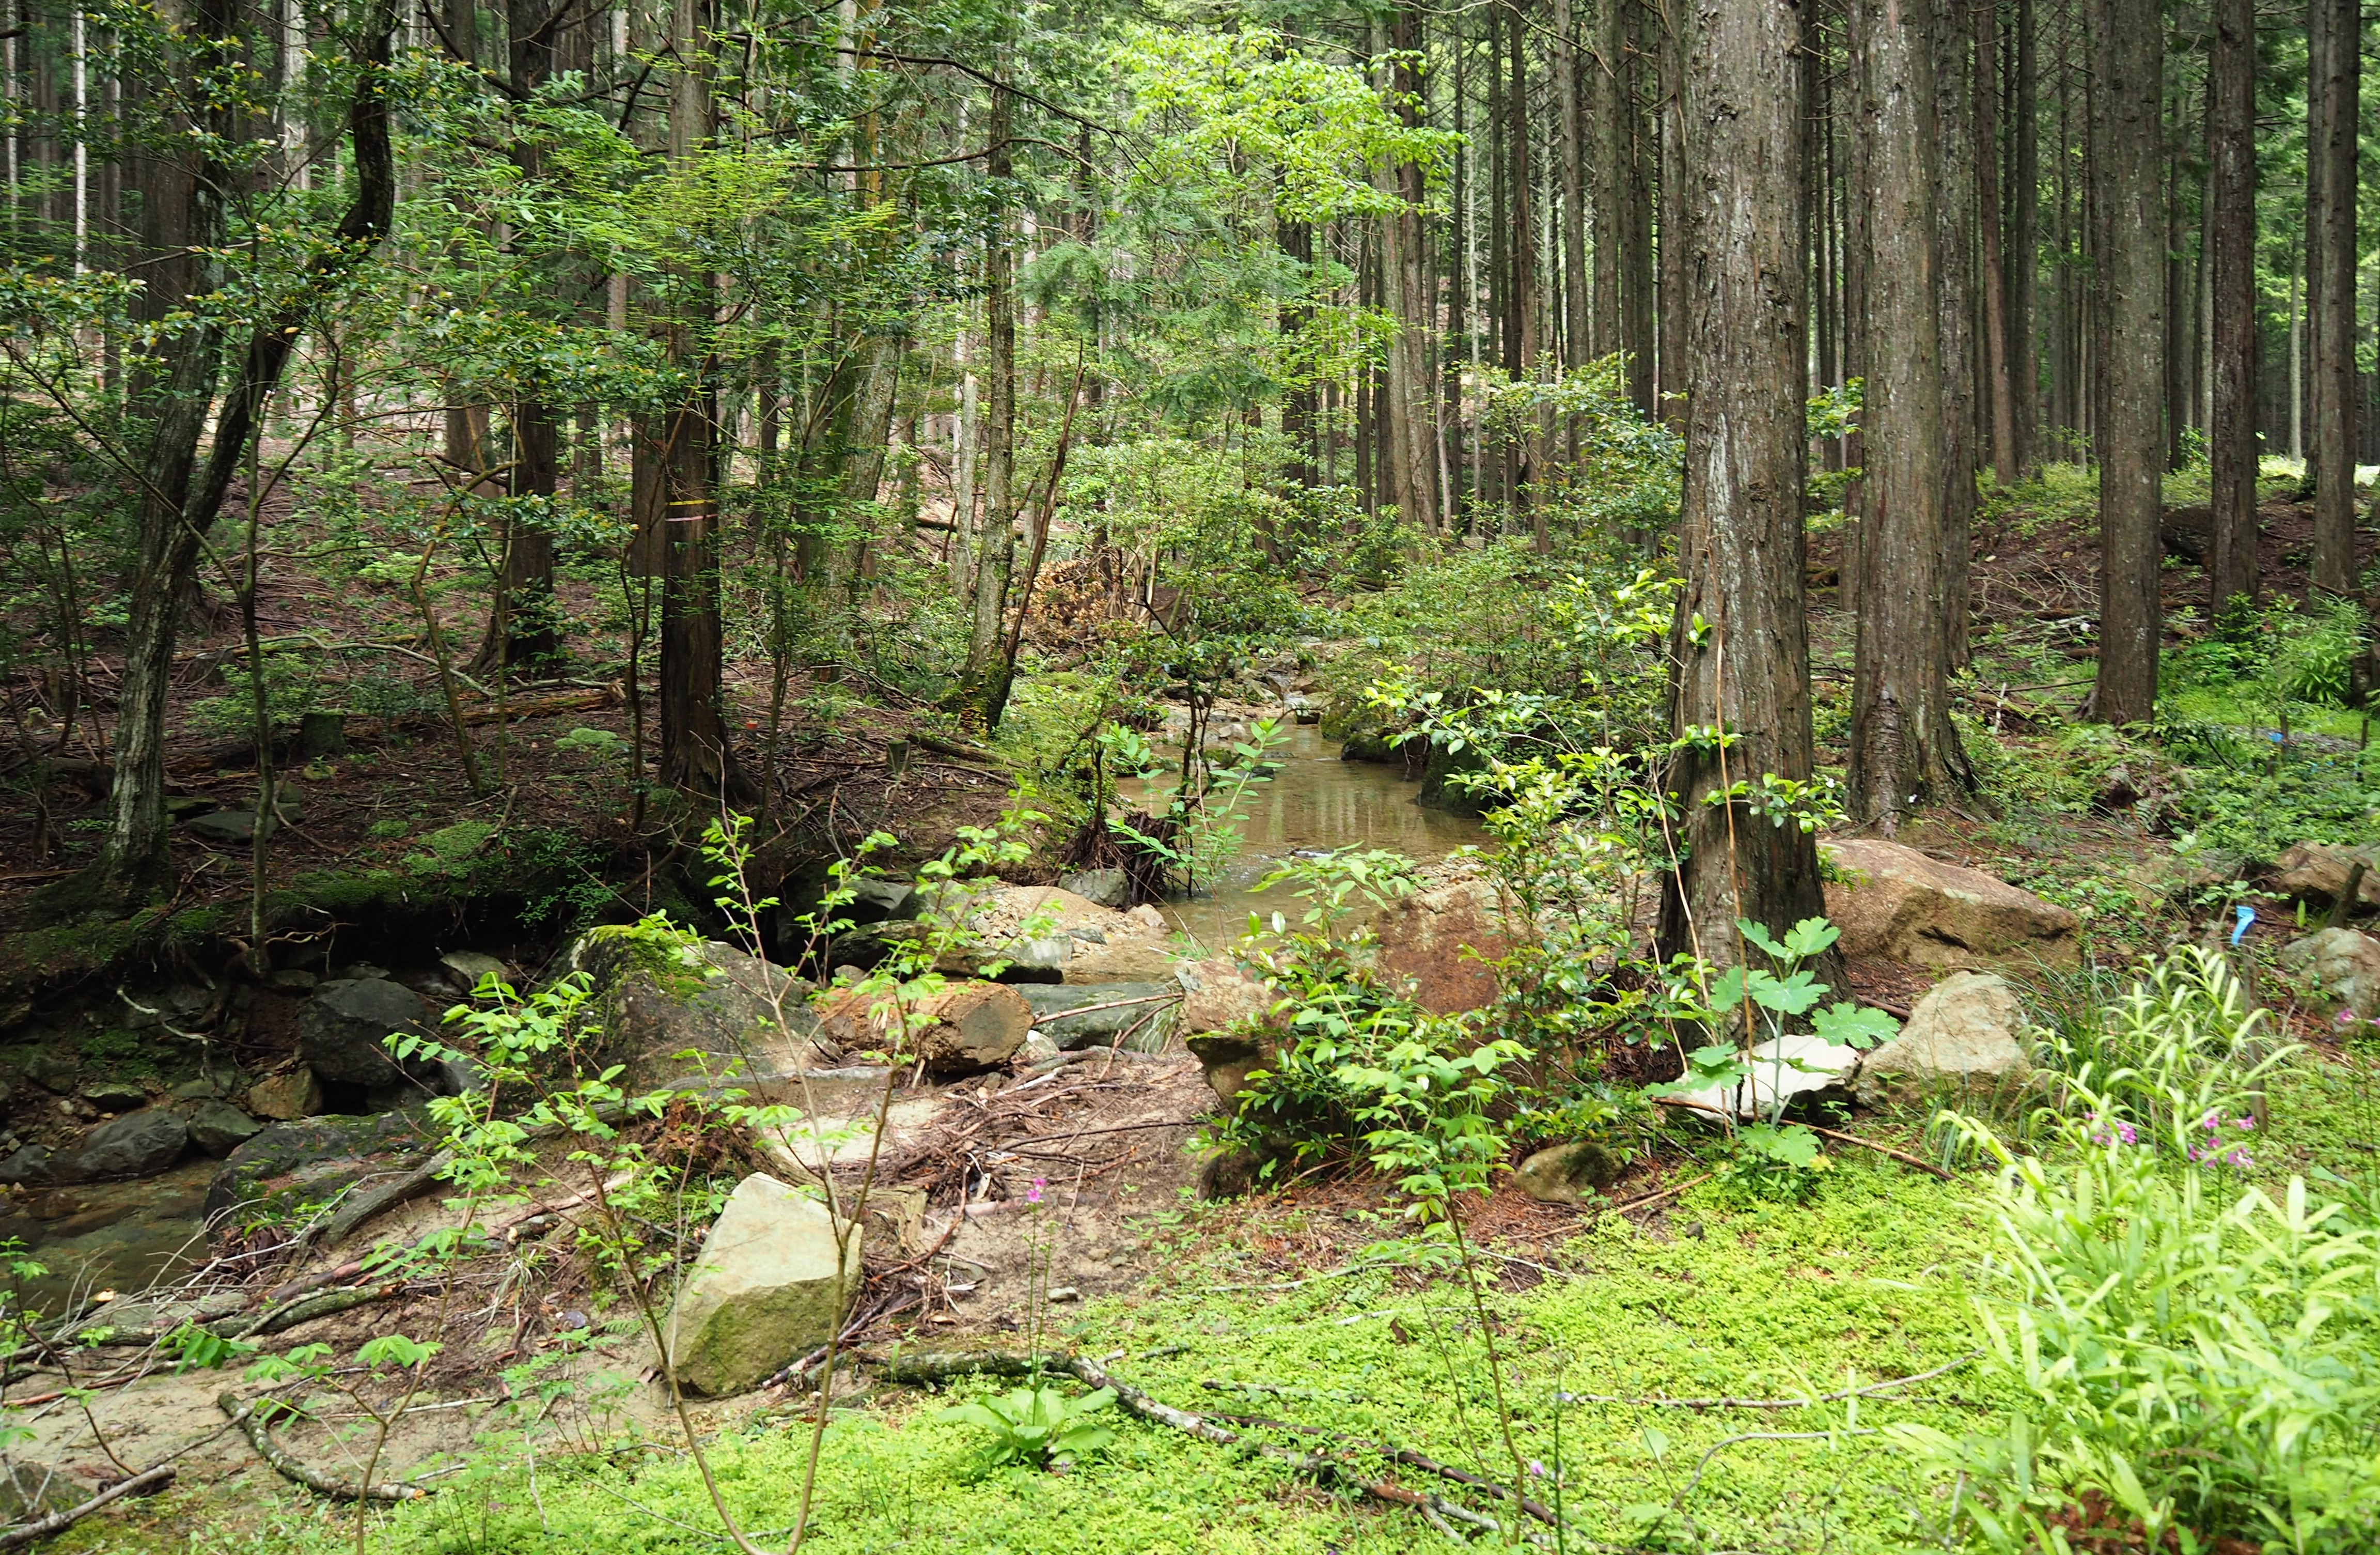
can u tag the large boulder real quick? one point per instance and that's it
(966, 1028)
(342, 1036)
(2346, 965)
(1045, 933)
(1109, 1013)
(1966, 1034)
(769, 1286)
(1901, 906)
(1101, 888)
(1227, 1021)
(138, 1144)
(219, 1128)
(1576, 1172)
(2318, 873)
(290, 1166)
(1445, 940)
(746, 1023)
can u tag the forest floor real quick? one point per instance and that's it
(1307, 1317)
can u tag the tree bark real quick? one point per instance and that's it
(2231, 231)
(1577, 330)
(1413, 398)
(694, 754)
(1742, 542)
(180, 498)
(1992, 252)
(1954, 143)
(2024, 245)
(2334, 78)
(1904, 751)
(2127, 67)
(524, 628)
(983, 685)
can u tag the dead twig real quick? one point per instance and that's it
(1835, 1134)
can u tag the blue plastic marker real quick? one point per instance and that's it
(2247, 916)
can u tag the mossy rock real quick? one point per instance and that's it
(1439, 793)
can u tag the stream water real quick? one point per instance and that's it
(1316, 802)
(122, 1235)
(100, 1236)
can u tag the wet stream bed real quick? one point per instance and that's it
(1315, 803)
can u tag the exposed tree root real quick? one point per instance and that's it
(260, 1437)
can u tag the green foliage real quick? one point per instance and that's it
(1039, 1425)
(2195, 1354)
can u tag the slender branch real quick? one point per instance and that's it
(259, 1435)
(1835, 1134)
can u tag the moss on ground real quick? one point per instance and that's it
(1863, 1282)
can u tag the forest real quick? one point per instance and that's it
(1142, 777)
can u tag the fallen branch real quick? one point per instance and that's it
(1404, 1455)
(1835, 1134)
(259, 1435)
(944, 1367)
(1664, 1192)
(59, 1521)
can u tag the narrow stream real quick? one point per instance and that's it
(1316, 802)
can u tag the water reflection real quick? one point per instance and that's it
(1317, 802)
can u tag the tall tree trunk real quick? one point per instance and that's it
(1296, 241)
(983, 687)
(2334, 78)
(180, 497)
(1903, 751)
(1412, 394)
(1674, 153)
(1954, 143)
(1633, 175)
(2024, 238)
(524, 628)
(1741, 547)
(2231, 231)
(1521, 300)
(2128, 75)
(1992, 252)
(1577, 329)
(694, 754)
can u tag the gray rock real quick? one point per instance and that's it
(1101, 888)
(294, 980)
(342, 1032)
(1967, 1034)
(1570, 1173)
(200, 1089)
(31, 1164)
(2346, 965)
(880, 900)
(470, 965)
(291, 1164)
(230, 828)
(52, 1070)
(1035, 1049)
(30, 1489)
(115, 1096)
(1052, 1003)
(139, 1144)
(219, 1128)
(729, 1009)
(769, 1286)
